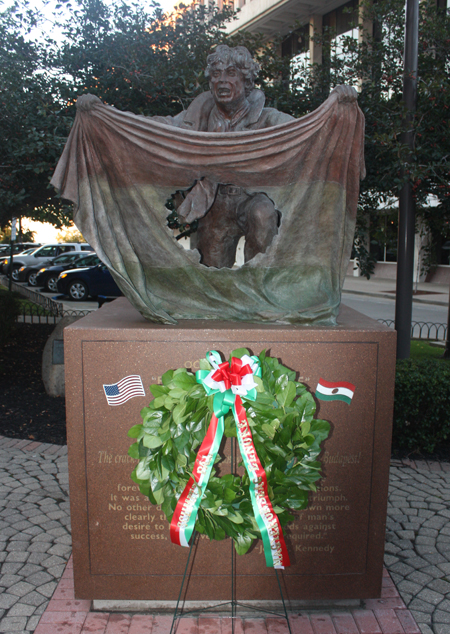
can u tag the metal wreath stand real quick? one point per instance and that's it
(181, 613)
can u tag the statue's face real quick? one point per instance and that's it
(227, 84)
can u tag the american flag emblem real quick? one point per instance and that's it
(121, 392)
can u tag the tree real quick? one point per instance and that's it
(70, 234)
(135, 60)
(143, 61)
(375, 64)
(33, 127)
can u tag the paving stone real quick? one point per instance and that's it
(439, 585)
(439, 616)
(37, 558)
(422, 539)
(21, 609)
(47, 589)
(21, 588)
(407, 555)
(60, 549)
(410, 587)
(445, 605)
(53, 560)
(439, 628)
(11, 624)
(430, 596)
(56, 571)
(402, 568)
(420, 617)
(445, 568)
(43, 537)
(7, 600)
(39, 547)
(11, 569)
(33, 622)
(39, 578)
(34, 598)
(16, 557)
(421, 606)
(406, 534)
(7, 581)
(417, 562)
(435, 558)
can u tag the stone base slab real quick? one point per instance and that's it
(121, 544)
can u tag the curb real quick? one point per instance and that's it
(392, 297)
(32, 446)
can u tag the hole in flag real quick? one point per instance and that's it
(335, 391)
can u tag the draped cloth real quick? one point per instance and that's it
(119, 169)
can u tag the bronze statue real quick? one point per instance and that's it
(290, 186)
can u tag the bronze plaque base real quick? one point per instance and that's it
(121, 544)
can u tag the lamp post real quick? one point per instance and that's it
(406, 215)
(13, 238)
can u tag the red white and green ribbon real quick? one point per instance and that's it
(228, 382)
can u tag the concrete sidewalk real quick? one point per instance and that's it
(36, 546)
(428, 293)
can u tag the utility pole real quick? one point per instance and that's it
(12, 240)
(406, 211)
(447, 342)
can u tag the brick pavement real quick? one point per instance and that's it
(35, 537)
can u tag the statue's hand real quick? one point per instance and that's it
(88, 102)
(345, 94)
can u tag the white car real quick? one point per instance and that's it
(42, 254)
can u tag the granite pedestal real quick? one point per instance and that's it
(121, 544)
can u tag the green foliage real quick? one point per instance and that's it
(422, 349)
(421, 409)
(137, 59)
(375, 65)
(33, 128)
(9, 311)
(286, 436)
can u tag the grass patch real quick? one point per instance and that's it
(421, 349)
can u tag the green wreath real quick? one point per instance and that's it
(286, 436)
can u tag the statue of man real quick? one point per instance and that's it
(225, 212)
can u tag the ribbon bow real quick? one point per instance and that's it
(228, 382)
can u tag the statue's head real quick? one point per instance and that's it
(231, 71)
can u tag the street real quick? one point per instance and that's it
(383, 308)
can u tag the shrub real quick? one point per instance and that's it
(422, 404)
(9, 311)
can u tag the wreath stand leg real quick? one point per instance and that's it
(179, 614)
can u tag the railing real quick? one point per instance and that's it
(47, 304)
(42, 309)
(422, 329)
(35, 314)
(48, 311)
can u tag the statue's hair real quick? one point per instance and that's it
(239, 57)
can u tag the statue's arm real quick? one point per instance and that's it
(88, 102)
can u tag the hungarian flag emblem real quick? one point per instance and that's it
(328, 391)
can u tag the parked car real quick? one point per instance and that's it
(81, 283)
(27, 272)
(19, 247)
(47, 276)
(41, 255)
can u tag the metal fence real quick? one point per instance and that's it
(35, 314)
(41, 309)
(45, 310)
(422, 329)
